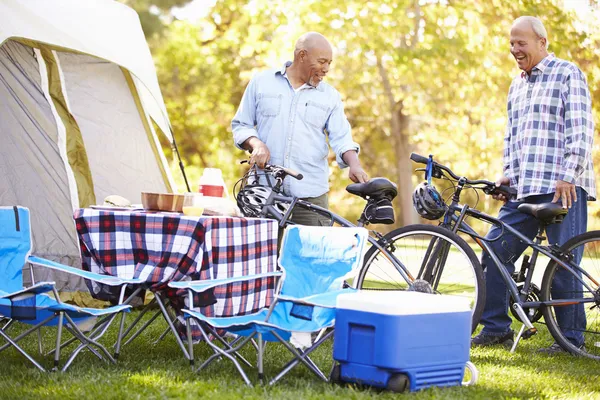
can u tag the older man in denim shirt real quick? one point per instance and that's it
(285, 118)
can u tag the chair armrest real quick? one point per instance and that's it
(41, 287)
(204, 285)
(103, 279)
(325, 300)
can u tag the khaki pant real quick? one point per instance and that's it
(302, 216)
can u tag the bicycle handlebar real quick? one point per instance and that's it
(276, 168)
(490, 187)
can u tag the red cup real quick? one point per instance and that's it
(211, 190)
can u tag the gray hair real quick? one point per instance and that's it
(536, 25)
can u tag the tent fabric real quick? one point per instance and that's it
(105, 110)
(103, 28)
(32, 171)
(78, 91)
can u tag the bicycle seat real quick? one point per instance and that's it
(548, 213)
(375, 187)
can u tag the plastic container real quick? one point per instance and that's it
(211, 183)
(400, 339)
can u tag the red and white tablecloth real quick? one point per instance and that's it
(163, 247)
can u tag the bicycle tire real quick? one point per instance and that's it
(590, 263)
(463, 277)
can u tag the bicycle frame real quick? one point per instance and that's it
(554, 255)
(269, 210)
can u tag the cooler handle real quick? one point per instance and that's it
(474, 374)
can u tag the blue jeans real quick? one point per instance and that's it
(495, 318)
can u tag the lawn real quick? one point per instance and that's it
(149, 371)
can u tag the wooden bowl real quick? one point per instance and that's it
(162, 201)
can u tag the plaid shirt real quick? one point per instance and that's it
(550, 130)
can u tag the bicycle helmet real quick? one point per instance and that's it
(252, 198)
(428, 201)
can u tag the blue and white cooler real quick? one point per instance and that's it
(402, 339)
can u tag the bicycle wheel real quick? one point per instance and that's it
(561, 325)
(428, 252)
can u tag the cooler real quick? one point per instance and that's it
(384, 337)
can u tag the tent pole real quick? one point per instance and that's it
(187, 185)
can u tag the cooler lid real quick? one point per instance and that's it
(402, 302)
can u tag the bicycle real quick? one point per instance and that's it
(528, 302)
(396, 254)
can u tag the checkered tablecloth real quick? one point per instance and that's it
(164, 247)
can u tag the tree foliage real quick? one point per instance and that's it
(429, 76)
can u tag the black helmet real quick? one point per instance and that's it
(252, 198)
(428, 201)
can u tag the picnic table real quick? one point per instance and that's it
(162, 247)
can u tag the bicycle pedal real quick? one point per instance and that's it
(529, 333)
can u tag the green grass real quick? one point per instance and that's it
(148, 371)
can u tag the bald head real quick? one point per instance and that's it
(311, 41)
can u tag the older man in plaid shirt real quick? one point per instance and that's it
(547, 158)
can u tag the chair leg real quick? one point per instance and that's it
(231, 346)
(301, 357)
(27, 332)
(119, 336)
(87, 341)
(135, 322)
(259, 356)
(58, 339)
(40, 346)
(74, 338)
(20, 350)
(168, 319)
(221, 352)
(188, 328)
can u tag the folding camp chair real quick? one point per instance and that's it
(315, 262)
(33, 305)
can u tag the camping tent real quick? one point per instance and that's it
(80, 107)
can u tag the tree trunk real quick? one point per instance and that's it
(399, 129)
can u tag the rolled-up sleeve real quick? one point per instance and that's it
(243, 124)
(579, 127)
(340, 135)
(507, 161)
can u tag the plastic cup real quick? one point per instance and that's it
(192, 204)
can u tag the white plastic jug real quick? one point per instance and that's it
(211, 183)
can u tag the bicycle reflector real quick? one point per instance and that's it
(428, 201)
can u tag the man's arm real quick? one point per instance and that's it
(340, 140)
(244, 122)
(355, 173)
(243, 126)
(578, 136)
(506, 157)
(260, 154)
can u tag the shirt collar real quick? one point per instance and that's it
(541, 66)
(283, 69)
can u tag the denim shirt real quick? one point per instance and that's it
(296, 127)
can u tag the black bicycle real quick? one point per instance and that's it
(528, 302)
(399, 260)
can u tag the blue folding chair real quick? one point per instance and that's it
(315, 262)
(33, 305)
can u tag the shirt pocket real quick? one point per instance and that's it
(269, 104)
(316, 114)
